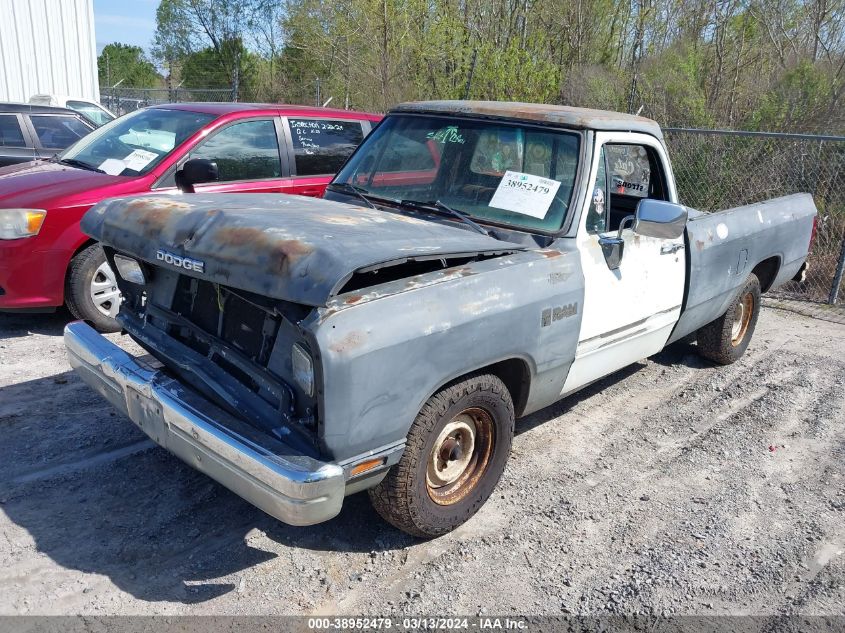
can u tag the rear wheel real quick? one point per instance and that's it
(91, 293)
(455, 454)
(725, 340)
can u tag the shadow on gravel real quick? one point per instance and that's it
(156, 528)
(17, 324)
(119, 508)
(683, 352)
(564, 406)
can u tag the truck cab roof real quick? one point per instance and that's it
(565, 116)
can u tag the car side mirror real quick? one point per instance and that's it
(661, 219)
(654, 218)
(194, 172)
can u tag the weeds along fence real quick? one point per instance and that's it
(719, 169)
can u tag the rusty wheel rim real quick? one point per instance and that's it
(460, 456)
(742, 318)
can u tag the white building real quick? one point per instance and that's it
(47, 47)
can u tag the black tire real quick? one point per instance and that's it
(405, 498)
(725, 340)
(84, 268)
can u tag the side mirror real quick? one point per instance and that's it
(654, 218)
(657, 218)
(194, 172)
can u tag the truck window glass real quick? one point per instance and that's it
(10, 131)
(321, 146)
(511, 174)
(407, 155)
(58, 132)
(243, 151)
(599, 199)
(630, 169)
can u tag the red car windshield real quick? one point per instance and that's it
(134, 144)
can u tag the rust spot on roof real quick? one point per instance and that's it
(554, 114)
(550, 254)
(353, 299)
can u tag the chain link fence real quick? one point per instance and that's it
(123, 100)
(718, 169)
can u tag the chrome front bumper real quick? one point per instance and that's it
(291, 487)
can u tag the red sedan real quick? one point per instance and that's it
(45, 260)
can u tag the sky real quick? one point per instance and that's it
(125, 21)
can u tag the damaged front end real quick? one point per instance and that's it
(235, 348)
(226, 292)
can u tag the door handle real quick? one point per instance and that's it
(668, 249)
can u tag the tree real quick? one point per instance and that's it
(184, 27)
(128, 65)
(730, 63)
(202, 70)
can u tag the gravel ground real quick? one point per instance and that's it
(671, 487)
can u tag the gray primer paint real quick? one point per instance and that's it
(725, 247)
(383, 353)
(287, 247)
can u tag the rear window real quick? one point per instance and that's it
(10, 131)
(630, 170)
(96, 115)
(321, 146)
(58, 132)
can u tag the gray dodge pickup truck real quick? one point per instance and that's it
(472, 262)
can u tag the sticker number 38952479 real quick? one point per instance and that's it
(526, 194)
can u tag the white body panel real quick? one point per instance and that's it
(47, 47)
(629, 312)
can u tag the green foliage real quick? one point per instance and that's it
(759, 63)
(203, 69)
(128, 65)
(803, 91)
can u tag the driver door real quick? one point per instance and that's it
(629, 312)
(247, 155)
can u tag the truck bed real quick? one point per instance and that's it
(772, 237)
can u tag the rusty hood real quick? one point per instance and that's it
(286, 247)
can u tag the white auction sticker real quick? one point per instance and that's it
(112, 166)
(139, 159)
(525, 194)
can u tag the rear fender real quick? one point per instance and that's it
(725, 247)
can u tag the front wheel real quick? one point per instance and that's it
(454, 456)
(91, 292)
(725, 340)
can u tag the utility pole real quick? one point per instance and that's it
(108, 79)
(471, 73)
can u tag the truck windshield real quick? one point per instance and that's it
(512, 174)
(134, 144)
